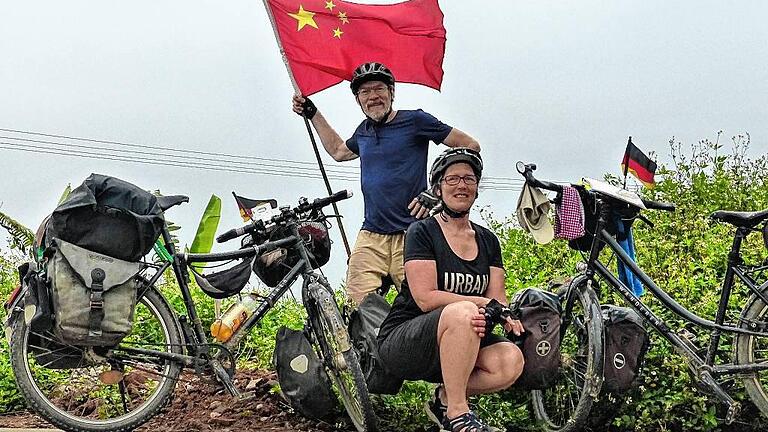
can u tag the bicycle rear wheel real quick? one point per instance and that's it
(565, 406)
(99, 389)
(754, 349)
(341, 361)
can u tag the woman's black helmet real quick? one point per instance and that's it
(452, 156)
(371, 71)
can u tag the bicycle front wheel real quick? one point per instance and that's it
(99, 389)
(340, 359)
(565, 406)
(754, 349)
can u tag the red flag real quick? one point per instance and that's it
(324, 41)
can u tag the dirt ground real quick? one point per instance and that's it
(201, 405)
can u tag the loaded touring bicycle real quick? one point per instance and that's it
(96, 346)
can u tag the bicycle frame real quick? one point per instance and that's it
(717, 327)
(195, 335)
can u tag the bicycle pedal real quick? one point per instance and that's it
(733, 412)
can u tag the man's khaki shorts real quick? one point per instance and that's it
(374, 257)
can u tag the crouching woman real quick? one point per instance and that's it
(436, 329)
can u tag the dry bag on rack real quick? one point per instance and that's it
(109, 216)
(540, 314)
(93, 295)
(626, 343)
(301, 375)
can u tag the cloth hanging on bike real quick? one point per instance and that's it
(224, 283)
(533, 214)
(569, 215)
(627, 242)
(109, 216)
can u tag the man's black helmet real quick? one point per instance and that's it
(371, 71)
(452, 156)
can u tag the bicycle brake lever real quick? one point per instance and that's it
(645, 219)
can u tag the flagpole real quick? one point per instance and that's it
(626, 162)
(309, 129)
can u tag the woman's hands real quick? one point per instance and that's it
(514, 326)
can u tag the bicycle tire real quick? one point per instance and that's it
(565, 406)
(77, 398)
(340, 359)
(754, 349)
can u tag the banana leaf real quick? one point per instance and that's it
(206, 230)
(22, 237)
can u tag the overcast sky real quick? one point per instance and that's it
(560, 83)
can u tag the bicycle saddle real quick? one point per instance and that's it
(740, 219)
(169, 201)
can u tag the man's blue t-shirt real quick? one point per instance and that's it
(393, 166)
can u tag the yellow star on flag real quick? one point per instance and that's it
(304, 18)
(329, 5)
(337, 33)
(343, 17)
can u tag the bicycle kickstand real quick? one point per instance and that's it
(223, 377)
(733, 407)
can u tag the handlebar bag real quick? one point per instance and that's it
(93, 295)
(540, 314)
(301, 375)
(626, 343)
(364, 325)
(273, 266)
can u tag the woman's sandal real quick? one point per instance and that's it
(467, 422)
(435, 408)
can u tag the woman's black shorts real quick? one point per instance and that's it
(410, 350)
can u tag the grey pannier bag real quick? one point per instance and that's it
(93, 295)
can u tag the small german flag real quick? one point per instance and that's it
(246, 206)
(637, 163)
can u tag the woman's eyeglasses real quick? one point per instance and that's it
(453, 180)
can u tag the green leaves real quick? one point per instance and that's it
(206, 230)
(22, 238)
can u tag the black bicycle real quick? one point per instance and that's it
(118, 388)
(566, 406)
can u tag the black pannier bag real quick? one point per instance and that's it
(224, 283)
(364, 325)
(540, 314)
(273, 266)
(38, 315)
(626, 343)
(93, 295)
(301, 375)
(109, 216)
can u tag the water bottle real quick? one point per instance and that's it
(223, 328)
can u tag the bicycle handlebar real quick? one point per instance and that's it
(658, 205)
(303, 207)
(527, 171)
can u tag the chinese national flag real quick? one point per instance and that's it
(642, 167)
(324, 41)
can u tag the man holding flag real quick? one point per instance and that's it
(325, 42)
(392, 146)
